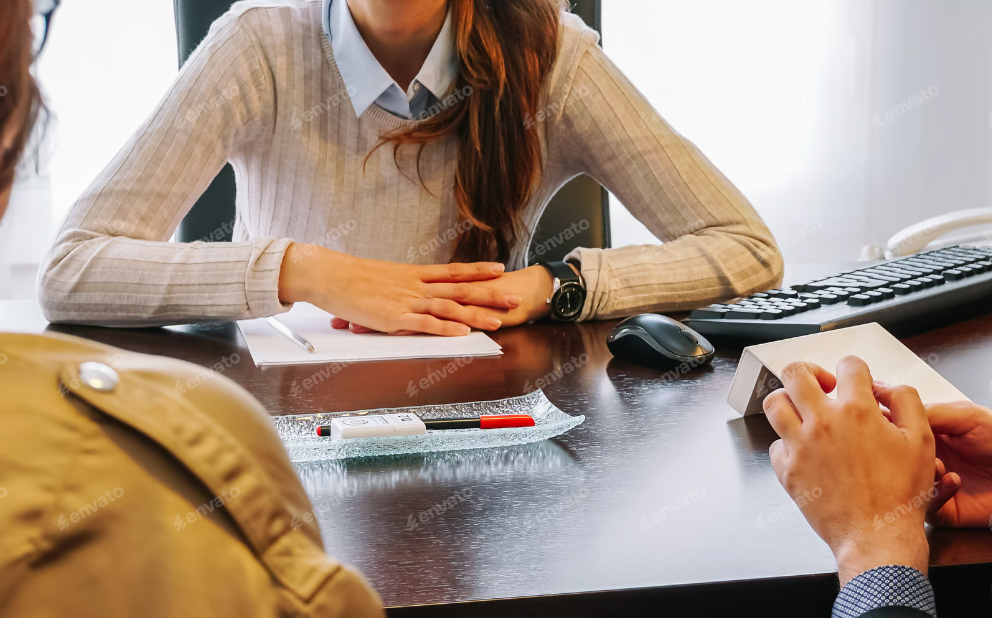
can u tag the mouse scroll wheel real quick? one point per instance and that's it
(692, 338)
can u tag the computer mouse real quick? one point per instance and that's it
(656, 341)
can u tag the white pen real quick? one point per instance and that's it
(282, 328)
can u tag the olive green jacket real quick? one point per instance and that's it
(125, 497)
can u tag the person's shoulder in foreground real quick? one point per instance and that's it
(925, 464)
(133, 485)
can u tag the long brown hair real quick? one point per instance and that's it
(506, 50)
(20, 100)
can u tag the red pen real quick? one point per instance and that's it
(409, 424)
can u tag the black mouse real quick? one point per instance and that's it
(656, 341)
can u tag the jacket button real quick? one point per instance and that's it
(99, 377)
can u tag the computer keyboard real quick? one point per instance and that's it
(899, 293)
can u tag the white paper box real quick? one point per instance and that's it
(760, 369)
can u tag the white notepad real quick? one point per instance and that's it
(269, 347)
(887, 358)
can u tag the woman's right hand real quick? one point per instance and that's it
(393, 298)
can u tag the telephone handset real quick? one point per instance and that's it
(925, 234)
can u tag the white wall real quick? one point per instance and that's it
(782, 95)
(107, 64)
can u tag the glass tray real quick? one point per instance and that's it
(299, 432)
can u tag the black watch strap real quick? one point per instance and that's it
(562, 271)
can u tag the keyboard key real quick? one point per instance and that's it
(895, 276)
(772, 314)
(926, 270)
(953, 274)
(915, 285)
(968, 271)
(815, 286)
(812, 303)
(830, 299)
(903, 273)
(859, 300)
(903, 264)
(743, 313)
(980, 266)
(937, 264)
(874, 295)
(938, 279)
(927, 282)
(851, 290)
(902, 289)
(886, 293)
(871, 284)
(713, 312)
(759, 295)
(834, 282)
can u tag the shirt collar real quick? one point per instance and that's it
(365, 79)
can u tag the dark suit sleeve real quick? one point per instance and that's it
(886, 592)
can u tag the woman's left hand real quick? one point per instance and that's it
(534, 285)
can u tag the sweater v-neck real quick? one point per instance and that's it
(375, 113)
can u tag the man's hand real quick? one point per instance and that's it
(963, 434)
(874, 473)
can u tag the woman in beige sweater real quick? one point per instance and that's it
(392, 158)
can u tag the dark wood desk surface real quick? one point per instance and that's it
(664, 487)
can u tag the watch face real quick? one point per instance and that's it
(568, 302)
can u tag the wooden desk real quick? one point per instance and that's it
(662, 503)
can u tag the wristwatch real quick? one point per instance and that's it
(569, 293)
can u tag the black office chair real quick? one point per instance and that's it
(580, 200)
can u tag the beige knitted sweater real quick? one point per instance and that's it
(262, 92)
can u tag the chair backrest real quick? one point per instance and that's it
(580, 205)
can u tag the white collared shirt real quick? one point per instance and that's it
(368, 83)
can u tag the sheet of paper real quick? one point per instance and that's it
(269, 347)
(887, 359)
